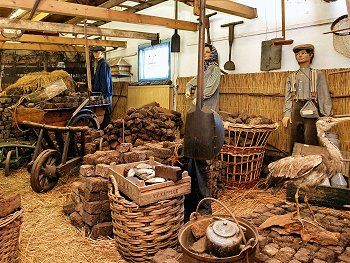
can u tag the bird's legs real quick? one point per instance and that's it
(306, 200)
(296, 196)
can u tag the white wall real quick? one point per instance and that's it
(306, 20)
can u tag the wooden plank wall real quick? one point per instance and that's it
(263, 94)
(120, 95)
(141, 95)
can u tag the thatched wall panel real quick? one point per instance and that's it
(263, 94)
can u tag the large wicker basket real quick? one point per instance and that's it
(9, 237)
(244, 152)
(141, 231)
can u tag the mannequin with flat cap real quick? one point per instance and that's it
(306, 93)
(102, 81)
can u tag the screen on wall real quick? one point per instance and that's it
(154, 62)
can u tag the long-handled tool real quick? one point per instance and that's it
(283, 40)
(204, 130)
(87, 60)
(207, 25)
(175, 39)
(229, 65)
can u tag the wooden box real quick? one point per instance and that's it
(148, 194)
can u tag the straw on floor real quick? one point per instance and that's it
(48, 236)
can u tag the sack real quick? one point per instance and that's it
(309, 110)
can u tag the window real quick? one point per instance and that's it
(154, 62)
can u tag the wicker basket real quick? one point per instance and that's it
(141, 231)
(9, 236)
(243, 153)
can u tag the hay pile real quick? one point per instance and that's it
(46, 234)
(35, 81)
(243, 202)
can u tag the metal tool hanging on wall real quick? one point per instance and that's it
(270, 55)
(207, 25)
(175, 39)
(229, 65)
(283, 41)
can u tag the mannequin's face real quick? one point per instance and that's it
(207, 53)
(98, 54)
(303, 57)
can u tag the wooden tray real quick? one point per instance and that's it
(148, 194)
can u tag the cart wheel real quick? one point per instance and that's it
(85, 119)
(43, 175)
(8, 163)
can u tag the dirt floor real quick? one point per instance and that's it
(48, 236)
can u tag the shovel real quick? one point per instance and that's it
(175, 39)
(229, 65)
(283, 41)
(204, 130)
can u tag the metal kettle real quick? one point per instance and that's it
(223, 238)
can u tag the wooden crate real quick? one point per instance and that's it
(150, 193)
(328, 196)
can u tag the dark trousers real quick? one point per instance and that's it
(199, 189)
(303, 129)
(107, 116)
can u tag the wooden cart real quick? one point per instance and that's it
(14, 153)
(91, 116)
(57, 152)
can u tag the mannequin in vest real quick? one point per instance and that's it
(302, 86)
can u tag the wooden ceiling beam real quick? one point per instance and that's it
(40, 47)
(99, 13)
(142, 6)
(27, 38)
(108, 4)
(228, 7)
(72, 29)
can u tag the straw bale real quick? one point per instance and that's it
(36, 80)
(263, 94)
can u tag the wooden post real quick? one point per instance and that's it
(87, 59)
(1, 70)
(283, 10)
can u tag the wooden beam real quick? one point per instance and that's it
(111, 3)
(108, 4)
(72, 29)
(42, 47)
(99, 13)
(232, 8)
(42, 15)
(142, 6)
(229, 7)
(26, 38)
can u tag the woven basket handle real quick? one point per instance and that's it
(231, 214)
(113, 186)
